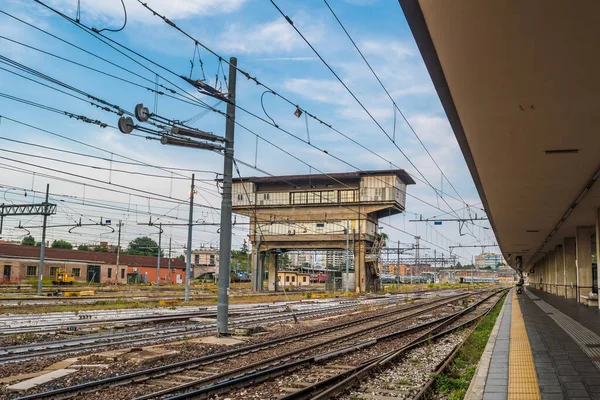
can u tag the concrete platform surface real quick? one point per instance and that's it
(586, 316)
(541, 352)
(38, 380)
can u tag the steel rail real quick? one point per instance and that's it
(337, 384)
(143, 375)
(90, 321)
(293, 353)
(163, 332)
(263, 375)
(442, 365)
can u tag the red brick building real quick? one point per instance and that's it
(21, 263)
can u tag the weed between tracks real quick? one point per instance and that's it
(454, 382)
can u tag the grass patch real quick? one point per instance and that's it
(455, 380)
(411, 287)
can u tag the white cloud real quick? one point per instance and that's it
(433, 130)
(271, 37)
(323, 90)
(112, 10)
(387, 49)
(286, 59)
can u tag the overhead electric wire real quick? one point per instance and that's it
(272, 123)
(124, 22)
(172, 72)
(248, 76)
(108, 159)
(83, 27)
(98, 36)
(22, 67)
(391, 98)
(187, 95)
(159, 198)
(105, 216)
(86, 29)
(289, 20)
(183, 100)
(56, 89)
(104, 105)
(91, 166)
(319, 170)
(84, 144)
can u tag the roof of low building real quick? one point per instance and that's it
(19, 251)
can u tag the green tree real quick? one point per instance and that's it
(285, 260)
(28, 241)
(245, 249)
(101, 249)
(61, 244)
(181, 257)
(241, 259)
(83, 247)
(143, 246)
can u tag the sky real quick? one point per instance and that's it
(88, 183)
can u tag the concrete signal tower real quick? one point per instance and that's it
(301, 212)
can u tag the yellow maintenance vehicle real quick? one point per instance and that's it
(62, 278)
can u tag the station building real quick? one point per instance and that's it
(205, 260)
(20, 264)
(293, 279)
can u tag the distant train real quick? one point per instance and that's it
(475, 279)
(388, 278)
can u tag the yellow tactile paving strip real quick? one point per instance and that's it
(522, 380)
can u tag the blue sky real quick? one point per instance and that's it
(266, 47)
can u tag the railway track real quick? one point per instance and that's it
(21, 324)
(90, 342)
(132, 338)
(40, 323)
(369, 380)
(324, 370)
(188, 375)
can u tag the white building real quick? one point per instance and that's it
(297, 259)
(337, 259)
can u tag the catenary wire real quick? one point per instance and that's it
(248, 76)
(289, 20)
(411, 128)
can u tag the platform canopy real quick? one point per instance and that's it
(519, 83)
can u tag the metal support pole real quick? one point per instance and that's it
(160, 232)
(188, 261)
(417, 238)
(257, 274)
(347, 256)
(118, 250)
(225, 238)
(398, 262)
(43, 244)
(169, 266)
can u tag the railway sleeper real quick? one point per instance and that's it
(111, 382)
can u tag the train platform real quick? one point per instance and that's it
(542, 347)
